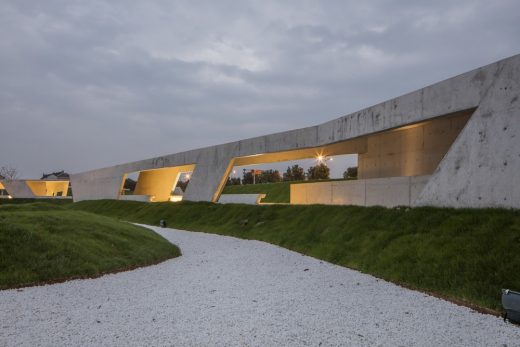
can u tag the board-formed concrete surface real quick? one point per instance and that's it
(387, 192)
(224, 291)
(477, 165)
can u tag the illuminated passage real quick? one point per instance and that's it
(156, 185)
(48, 188)
(391, 156)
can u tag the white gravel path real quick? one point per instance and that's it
(229, 292)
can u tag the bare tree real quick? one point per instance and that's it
(8, 172)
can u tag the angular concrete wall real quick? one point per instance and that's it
(480, 169)
(18, 189)
(413, 150)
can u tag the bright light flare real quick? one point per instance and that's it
(323, 159)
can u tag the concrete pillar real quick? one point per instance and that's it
(481, 169)
(97, 185)
(210, 175)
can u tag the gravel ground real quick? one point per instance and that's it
(229, 292)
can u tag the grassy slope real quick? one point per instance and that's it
(276, 192)
(464, 254)
(29, 200)
(42, 242)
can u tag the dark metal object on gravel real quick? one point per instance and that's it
(511, 304)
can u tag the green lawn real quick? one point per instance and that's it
(45, 242)
(28, 201)
(465, 254)
(276, 192)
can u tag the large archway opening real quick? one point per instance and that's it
(258, 168)
(392, 166)
(273, 180)
(48, 188)
(156, 185)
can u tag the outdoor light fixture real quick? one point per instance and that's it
(322, 159)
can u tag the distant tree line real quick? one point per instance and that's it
(293, 173)
(255, 177)
(318, 172)
(183, 184)
(351, 173)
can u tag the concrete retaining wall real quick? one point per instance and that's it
(249, 199)
(388, 192)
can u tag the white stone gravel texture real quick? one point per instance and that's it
(225, 291)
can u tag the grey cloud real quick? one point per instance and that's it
(90, 84)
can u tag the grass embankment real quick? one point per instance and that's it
(276, 192)
(44, 242)
(50, 201)
(465, 254)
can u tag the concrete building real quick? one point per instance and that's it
(53, 185)
(455, 143)
(58, 175)
(3, 192)
(30, 189)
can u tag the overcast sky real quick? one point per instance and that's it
(88, 84)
